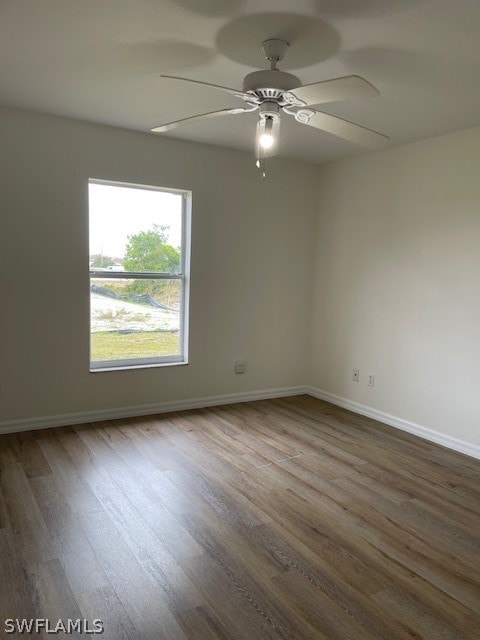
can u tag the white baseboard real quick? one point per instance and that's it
(443, 439)
(44, 422)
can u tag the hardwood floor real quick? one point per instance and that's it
(285, 519)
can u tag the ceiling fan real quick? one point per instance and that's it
(273, 92)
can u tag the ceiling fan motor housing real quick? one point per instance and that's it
(269, 109)
(270, 83)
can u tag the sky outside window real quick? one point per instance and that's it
(117, 212)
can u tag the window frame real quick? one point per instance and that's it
(183, 277)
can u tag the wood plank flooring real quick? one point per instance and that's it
(285, 519)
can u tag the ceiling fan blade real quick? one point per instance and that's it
(233, 92)
(341, 128)
(347, 88)
(203, 116)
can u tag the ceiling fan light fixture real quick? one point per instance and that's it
(266, 139)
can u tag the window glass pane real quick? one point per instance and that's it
(134, 318)
(134, 229)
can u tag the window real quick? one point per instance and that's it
(139, 258)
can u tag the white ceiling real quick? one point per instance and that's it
(100, 60)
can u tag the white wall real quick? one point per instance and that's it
(397, 289)
(389, 282)
(252, 251)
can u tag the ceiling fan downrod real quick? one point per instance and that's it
(274, 51)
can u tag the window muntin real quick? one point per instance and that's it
(139, 249)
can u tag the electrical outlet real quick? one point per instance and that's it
(356, 375)
(240, 366)
(371, 380)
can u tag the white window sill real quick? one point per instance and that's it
(130, 367)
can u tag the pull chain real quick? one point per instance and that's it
(261, 164)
